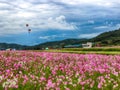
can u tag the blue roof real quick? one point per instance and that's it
(75, 45)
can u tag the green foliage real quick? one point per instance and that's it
(106, 51)
(13, 46)
(108, 38)
(92, 49)
(105, 39)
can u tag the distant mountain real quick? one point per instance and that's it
(58, 44)
(105, 39)
(13, 46)
(108, 38)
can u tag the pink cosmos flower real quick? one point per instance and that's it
(50, 84)
(99, 85)
(42, 78)
(8, 71)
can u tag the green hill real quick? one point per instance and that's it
(4, 46)
(104, 39)
(108, 38)
(58, 44)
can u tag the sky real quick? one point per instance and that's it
(52, 20)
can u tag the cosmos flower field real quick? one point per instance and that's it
(28, 70)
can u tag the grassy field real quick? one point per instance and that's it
(102, 50)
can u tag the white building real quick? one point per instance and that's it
(87, 45)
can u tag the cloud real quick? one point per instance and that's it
(91, 21)
(91, 9)
(88, 35)
(102, 27)
(106, 3)
(52, 37)
(82, 16)
(59, 23)
(108, 27)
(23, 14)
(44, 37)
(42, 16)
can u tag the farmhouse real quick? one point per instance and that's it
(73, 46)
(87, 45)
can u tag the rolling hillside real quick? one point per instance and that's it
(13, 46)
(58, 44)
(108, 38)
(105, 39)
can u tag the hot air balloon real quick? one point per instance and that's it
(27, 25)
(29, 30)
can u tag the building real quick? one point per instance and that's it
(73, 46)
(87, 45)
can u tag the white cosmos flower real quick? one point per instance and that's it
(1, 78)
(10, 83)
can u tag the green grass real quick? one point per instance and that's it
(92, 49)
(106, 51)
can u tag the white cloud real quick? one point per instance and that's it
(108, 27)
(48, 37)
(25, 14)
(101, 27)
(91, 21)
(3, 5)
(88, 35)
(105, 3)
(52, 37)
(51, 14)
(59, 23)
(44, 37)
(39, 16)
